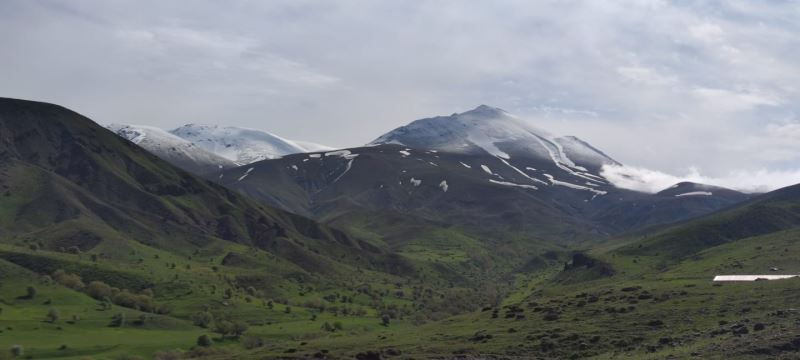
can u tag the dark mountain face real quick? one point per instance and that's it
(68, 182)
(527, 196)
(483, 169)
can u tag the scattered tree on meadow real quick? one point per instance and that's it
(99, 290)
(52, 315)
(71, 281)
(203, 319)
(30, 292)
(17, 351)
(204, 341)
(118, 320)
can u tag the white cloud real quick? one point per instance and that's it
(653, 181)
(646, 76)
(706, 32)
(654, 83)
(728, 101)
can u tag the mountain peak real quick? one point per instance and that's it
(242, 145)
(685, 188)
(486, 111)
(490, 130)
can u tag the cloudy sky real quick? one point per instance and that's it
(699, 90)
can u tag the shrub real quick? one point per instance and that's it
(167, 355)
(134, 301)
(99, 290)
(385, 319)
(222, 327)
(128, 357)
(71, 281)
(52, 315)
(239, 328)
(17, 351)
(118, 320)
(204, 341)
(202, 319)
(252, 342)
(30, 292)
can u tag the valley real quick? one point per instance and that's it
(473, 235)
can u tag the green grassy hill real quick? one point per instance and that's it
(107, 252)
(77, 202)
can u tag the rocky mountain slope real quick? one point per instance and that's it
(483, 169)
(69, 183)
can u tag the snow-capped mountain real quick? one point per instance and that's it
(483, 169)
(493, 131)
(173, 149)
(240, 145)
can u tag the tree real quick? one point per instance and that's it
(223, 327)
(99, 290)
(203, 319)
(118, 320)
(30, 292)
(204, 341)
(327, 327)
(69, 280)
(252, 342)
(52, 315)
(238, 328)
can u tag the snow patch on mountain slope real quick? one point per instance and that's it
(555, 182)
(245, 174)
(506, 183)
(443, 185)
(347, 167)
(696, 193)
(522, 172)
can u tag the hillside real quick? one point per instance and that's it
(107, 251)
(84, 210)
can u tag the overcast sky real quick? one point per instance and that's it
(707, 90)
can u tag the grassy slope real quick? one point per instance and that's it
(138, 223)
(546, 315)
